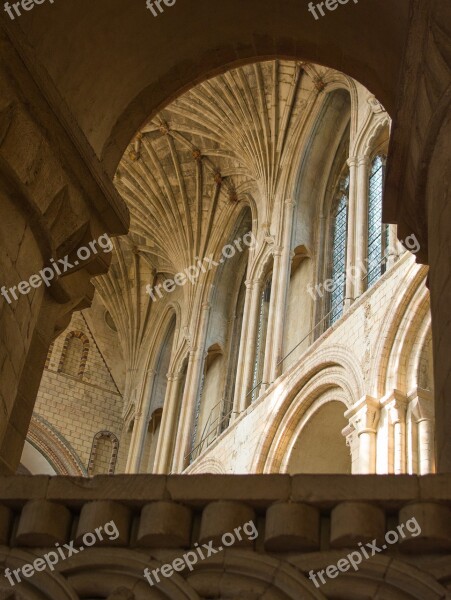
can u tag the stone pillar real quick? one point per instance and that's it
(191, 392)
(351, 235)
(54, 199)
(141, 426)
(439, 222)
(422, 403)
(361, 227)
(247, 347)
(169, 424)
(364, 417)
(280, 283)
(418, 181)
(396, 404)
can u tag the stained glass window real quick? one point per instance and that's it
(340, 231)
(377, 231)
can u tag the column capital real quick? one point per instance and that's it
(364, 415)
(352, 161)
(396, 404)
(422, 405)
(363, 161)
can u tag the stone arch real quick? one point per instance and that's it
(54, 447)
(335, 367)
(318, 444)
(400, 335)
(421, 360)
(209, 465)
(391, 334)
(75, 335)
(325, 386)
(104, 435)
(380, 577)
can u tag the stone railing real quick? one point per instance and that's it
(304, 523)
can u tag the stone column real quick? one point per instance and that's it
(191, 392)
(351, 234)
(54, 198)
(247, 347)
(396, 404)
(422, 403)
(439, 247)
(364, 417)
(280, 283)
(140, 428)
(361, 227)
(169, 425)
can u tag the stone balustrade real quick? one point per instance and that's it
(292, 513)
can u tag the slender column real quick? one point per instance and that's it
(191, 392)
(364, 417)
(240, 375)
(247, 346)
(361, 226)
(169, 424)
(423, 413)
(396, 404)
(351, 239)
(280, 280)
(140, 426)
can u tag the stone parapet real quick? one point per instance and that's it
(305, 511)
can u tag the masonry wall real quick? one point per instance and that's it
(351, 357)
(80, 407)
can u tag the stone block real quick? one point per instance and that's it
(427, 528)
(292, 527)
(104, 523)
(165, 525)
(42, 524)
(354, 522)
(223, 517)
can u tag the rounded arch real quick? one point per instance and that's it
(400, 326)
(329, 384)
(318, 444)
(75, 335)
(209, 465)
(54, 448)
(333, 368)
(382, 577)
(113, 439)
(421, 364)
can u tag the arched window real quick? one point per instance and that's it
(262, 330)
(104, 451)
(377, 231)
(74, 354)
(339, 246)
